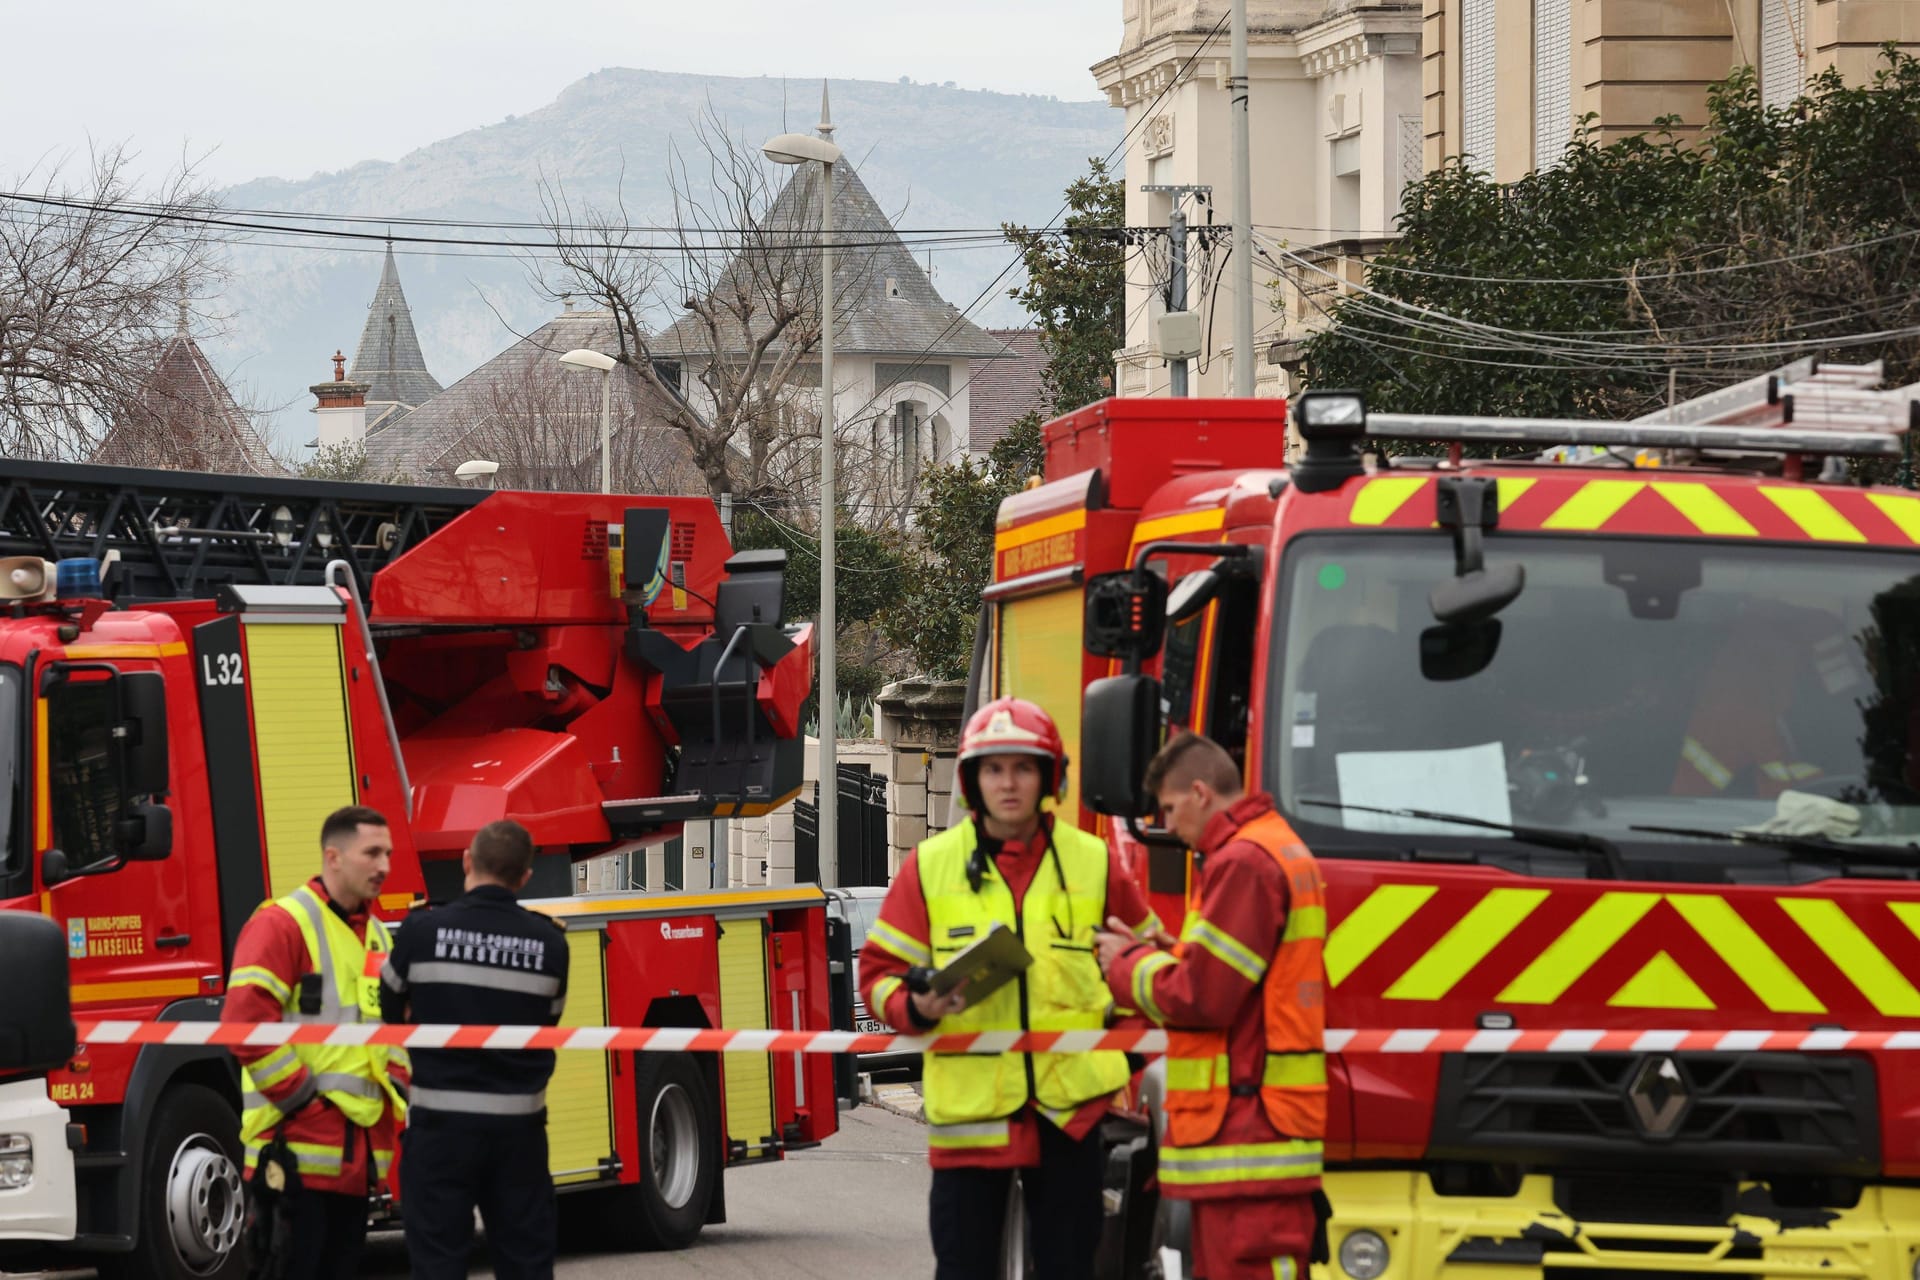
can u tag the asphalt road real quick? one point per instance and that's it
(852, 1209)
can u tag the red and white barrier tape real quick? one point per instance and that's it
(679, 1039)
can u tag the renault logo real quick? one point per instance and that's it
(1659, 1096)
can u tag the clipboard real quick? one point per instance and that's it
(984, 967)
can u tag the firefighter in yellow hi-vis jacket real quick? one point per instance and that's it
(1013, 864)
(319, 1121)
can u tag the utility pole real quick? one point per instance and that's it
(1242, 210)
(1179, 330)
(1177, 288)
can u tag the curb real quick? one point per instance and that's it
(901, 1100)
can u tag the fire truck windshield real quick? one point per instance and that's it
(1634, 684)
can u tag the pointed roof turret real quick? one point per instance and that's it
(388, 359)
(885, 302)
(187, 420)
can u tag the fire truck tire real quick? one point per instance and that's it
(680, 1154)
(192, 1202)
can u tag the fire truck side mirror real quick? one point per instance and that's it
(36, 1017)
(1125, 619)
(143, 712)
(1119, 732)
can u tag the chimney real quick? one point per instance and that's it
(342, 407)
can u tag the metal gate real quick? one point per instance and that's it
(861, 798)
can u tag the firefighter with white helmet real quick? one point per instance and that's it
(1012, 862)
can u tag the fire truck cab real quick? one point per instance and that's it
(1618, 732)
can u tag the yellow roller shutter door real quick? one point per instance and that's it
(1039, 659)
(743, 1007)
(301, 741)
(579, 1097)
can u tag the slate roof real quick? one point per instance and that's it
(388, 358)
(1005, 390)
(914, 320)
(427, 444)
(189, 421)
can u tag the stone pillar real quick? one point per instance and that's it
(920, 723)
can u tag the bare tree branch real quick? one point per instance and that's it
(88, 294)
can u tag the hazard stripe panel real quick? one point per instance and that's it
(1575, 951)
(1376, 919)
(1848, 946)
(1671, 507)
(1466, 944)
(1651, 950)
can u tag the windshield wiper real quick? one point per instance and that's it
(1545, 837)
(1905, 855)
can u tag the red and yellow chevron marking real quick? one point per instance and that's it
(1719, 508)
(1629, 949)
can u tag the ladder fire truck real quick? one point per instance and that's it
(195, 670)
(1618, 732)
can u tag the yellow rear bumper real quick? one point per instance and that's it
(1525, 1237)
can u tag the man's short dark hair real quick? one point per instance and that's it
(1191, 758)
(503, 851)
(343, 824)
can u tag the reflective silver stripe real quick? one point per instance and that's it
(299, 1098)
(985, 1129)
(482, 1104)
(1171, 1158)
(390, 977)
(341, 1082)
(332, 1008)
(559, 1005)
(478, 975)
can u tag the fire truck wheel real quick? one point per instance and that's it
(679, 1151)
(192, 1202)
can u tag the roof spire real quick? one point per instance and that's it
(180, 329)
(826, 117)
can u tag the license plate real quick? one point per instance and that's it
(869, 1027)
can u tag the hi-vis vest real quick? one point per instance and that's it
(971, 1097)
(1293, 1082)
(353, 1078)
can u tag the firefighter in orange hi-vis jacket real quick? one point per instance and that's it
(1241, 995)
(319, 1121)
(1015, 865)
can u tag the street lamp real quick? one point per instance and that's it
(476, 468)
(804, 148)
(586, 358)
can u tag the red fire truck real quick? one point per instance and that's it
(1620, 731)
(195, 670)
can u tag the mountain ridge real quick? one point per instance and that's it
(936, 156)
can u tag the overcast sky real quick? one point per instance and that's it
(287, 90)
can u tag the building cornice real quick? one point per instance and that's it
(1359, 35)
(1141, 74)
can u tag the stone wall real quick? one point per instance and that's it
(920, 727)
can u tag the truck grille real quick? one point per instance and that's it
(1752, 1113)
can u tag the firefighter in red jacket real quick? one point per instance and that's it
(989, 1115)
(1241, 994)
(332, 1111)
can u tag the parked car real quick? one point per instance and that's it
(859, 906)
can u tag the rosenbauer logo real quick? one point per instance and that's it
(684, 931)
